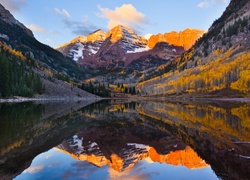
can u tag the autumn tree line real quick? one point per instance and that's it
(218, 74)
(16, 75)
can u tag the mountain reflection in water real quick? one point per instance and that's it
(136, 140)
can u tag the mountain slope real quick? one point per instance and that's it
(217, 64)
(33, 59)
(21, 38)
(83, 46)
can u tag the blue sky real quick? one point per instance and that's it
(55, 22)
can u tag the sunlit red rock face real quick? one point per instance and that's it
(126, 160)
(184, 38)
(187, 157)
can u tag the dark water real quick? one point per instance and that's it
(125, 140)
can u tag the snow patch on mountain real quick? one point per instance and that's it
(4, 36)
(77, 51)
(140, 49)
(93, 50)
(139, 146)
(131, 42)
(77, 143)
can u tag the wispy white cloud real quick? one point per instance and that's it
(126, 15)
(34, 169)
(79, 27)
(13, 5)
(62, 12)
(203, 4)
(147, 36)
(36, 28)
(209, 3)
(51, 42)
(219, 1)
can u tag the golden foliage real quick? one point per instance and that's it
(243, 83)
(210, 119)
(12, 51)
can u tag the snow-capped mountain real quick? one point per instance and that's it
(126, 155)
(89, 151)
(120, 47)
(83, 46)
(130, 41)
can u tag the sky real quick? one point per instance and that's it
(56, 22)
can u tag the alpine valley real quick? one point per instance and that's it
(122, 57)
(193, 63)
(112, 104)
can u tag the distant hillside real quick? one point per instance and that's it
(217, 65)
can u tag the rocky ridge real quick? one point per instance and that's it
(185, 38)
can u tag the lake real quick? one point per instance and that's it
(120, 139)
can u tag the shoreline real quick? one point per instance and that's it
(24, 99)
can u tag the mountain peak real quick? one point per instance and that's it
(98, 35)
(119, 32)
(80, 39)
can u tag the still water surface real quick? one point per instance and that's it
(125, 140)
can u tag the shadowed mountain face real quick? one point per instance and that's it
(124, 134)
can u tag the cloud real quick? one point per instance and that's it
(62, 12)
(13, 5)
(80, 170)
(219, 1)
(34, 169)
(36, 28)
(203, 4)
(49, 40)
(77, 27)
(209, 3)
(126, 15)
(83, 27)
(147, 36)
